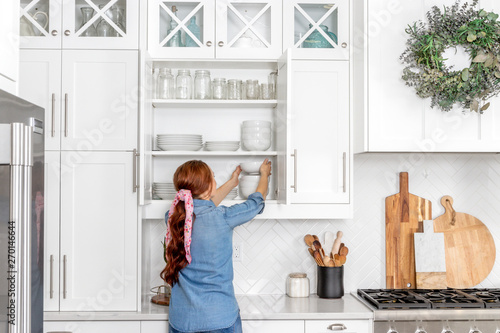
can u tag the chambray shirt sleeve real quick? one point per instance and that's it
(241, 213)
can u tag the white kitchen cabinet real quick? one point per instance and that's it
(317, 29)
(90, 97)
(346, 326)
(229, 29)
(157, 326)
(92, 327)
(390, 117)
(59, 24)
(91, 241)
(272, 326)
(9, 46)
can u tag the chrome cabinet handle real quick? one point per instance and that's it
(344, 171)
(51, 292)
(53, 131)
(54, 32)
(64, 276)
(67, 32)
(337, 327)
(221, 44)
(134, 171)
(209, 43)
(344, 45)
(66, 115)
(294, 186)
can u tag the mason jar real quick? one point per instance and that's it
(183, 84)
(219, 88)
(234, 89)
(253, 89)
(165, 84)
(202, 84)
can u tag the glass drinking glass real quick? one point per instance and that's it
(266, 91)
(183, 84)
(165, 87)
(219, 89)
(252, 88)
(234, 89)
(273, 80)
(202, 84)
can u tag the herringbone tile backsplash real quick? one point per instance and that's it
(271, 249)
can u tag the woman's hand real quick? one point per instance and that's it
(234, 177)
(265, 168)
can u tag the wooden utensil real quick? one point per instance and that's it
(469, 247)
(318, 258)
(327, 260)
(161, 299)
(309, 239)
(343, 251)
(337, 242)
(430, 265)
(342, 259)
(317, 246)
(336, 259)
(404, 213)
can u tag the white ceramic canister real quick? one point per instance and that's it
(297, 285)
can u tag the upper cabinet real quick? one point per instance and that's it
(208, 29)
(389, 116)
(79, 24)
(317, 29)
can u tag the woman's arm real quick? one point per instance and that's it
(224, 190)
(265, 172)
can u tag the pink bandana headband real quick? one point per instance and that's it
(183, 195)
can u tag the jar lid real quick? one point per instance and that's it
(202, 71)
(183, 71)
(298, 275)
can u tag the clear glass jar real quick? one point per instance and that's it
(183, 84)
(165, 84)
(253, 89)
(219, 88)
(202, 84)
(273, 80)
(234, 89)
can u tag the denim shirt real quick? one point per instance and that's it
(203, 299)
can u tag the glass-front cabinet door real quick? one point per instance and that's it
(85, 24)
(181, 29)
(248, 29)
(317, 29)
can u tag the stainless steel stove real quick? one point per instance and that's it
(434, 310)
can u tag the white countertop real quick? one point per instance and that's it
(256, 307)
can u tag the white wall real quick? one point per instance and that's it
(273, 248)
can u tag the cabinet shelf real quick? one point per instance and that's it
(162, 153)
(203, 103)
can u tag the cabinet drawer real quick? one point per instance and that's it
(92, 327)
(157, 326)
(344, 326)
(273, 326)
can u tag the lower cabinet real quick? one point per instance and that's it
(273, 326)
(345, 326)
(159, 326)
(92, 327)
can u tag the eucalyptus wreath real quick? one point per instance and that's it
(478, 32)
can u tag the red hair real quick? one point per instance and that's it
(195, 176)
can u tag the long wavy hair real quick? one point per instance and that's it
(195, 176)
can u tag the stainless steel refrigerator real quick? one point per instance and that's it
(21, 215)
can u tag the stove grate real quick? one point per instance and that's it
(490, 297)
(393, 299)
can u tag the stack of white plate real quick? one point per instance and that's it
(191, 142)
(232, 194)
(222, 145)
(256, 135)
(164, 191)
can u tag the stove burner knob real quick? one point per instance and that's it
(475, 330)
(392, 330)
(447, 330)
(420, 330)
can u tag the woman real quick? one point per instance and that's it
(199, 248)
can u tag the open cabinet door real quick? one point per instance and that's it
(147, 85)
(282, 124)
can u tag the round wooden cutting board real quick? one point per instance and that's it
(469, 247)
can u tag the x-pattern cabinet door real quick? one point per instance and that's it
(248, 29)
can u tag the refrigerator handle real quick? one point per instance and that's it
(66, 115)
(53, 131)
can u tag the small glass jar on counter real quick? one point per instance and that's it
(234, 89)
(202, 84)
(297, 285)
(219, 88)
(165, 84)
(183, 84)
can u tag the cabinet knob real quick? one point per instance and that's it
(209, 43)
(54, 32)
(67, 32)
(337, 327)
(221, 44)
(344, 45)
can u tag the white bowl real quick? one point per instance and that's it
(250, 178)
(251, 167)
(245, 191)
(259, 123)
(256, 145)
(256, 136)
(255, 129)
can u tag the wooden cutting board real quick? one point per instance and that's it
(430, 265)
(404, 213)
(469, 247)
